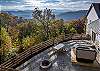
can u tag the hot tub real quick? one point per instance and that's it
(85, 54)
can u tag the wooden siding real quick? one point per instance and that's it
(92, 16)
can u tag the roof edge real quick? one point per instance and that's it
(89, 9)
(92, 5)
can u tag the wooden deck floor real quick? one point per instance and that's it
(30, 52)
(60, 62)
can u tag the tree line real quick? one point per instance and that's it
(18, 34)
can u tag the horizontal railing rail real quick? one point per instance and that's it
(8, 69)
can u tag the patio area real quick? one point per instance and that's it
(60, 61)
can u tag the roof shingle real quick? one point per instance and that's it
(97, 8)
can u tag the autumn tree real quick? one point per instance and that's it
(44, 17)
(6, 45)
(80, 26)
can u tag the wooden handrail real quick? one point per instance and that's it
(7, 69)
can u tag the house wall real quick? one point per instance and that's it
(92, 16)
(98, 40)
(98, 57)
(98, 47)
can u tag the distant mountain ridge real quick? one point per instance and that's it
(72, 15)
(25, 14)
(59, 14)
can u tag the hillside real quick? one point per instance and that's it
(72, 15)
(59, 14)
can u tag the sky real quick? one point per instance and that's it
(67, 5)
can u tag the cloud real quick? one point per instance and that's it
(68, 5)
(51, 1)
